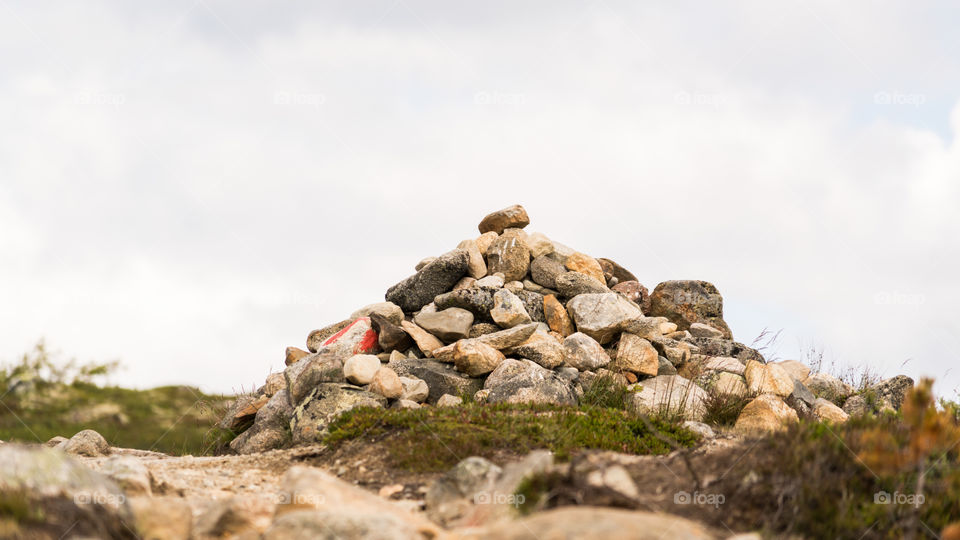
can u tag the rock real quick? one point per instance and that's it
(317, 337)
(826, 411)
(476, 265)
(269, 429)
(571, 284)
(423, 262)
(602, 316)
(425, 341)
(730, 384)
(478, 301)
(724, 363)
(475, 358)
(514, 286)
(481, 396)
(484, 240)
(533, 304)
(797, 370)
(433, 279)
(664, 367)
(509, 254)
(636, 355)
(360, 369)
(318, 368)
(273, 384)
(87, 443)
(801, 394)
(324, 404)
(511, 217)
(827, 386)
(704, 330)
(724, 347)
(315, 504)
(765, 413)
(768, 378)
(584, 353)
(578, 262)
(687, 301)
(523, 381)
(55, 441)
(129, 473)
(677, 352)
(494, 283)
(544, 271)
(511, 337)
(449, 325)
(668, 395)
(635, 292)
(390, 336)
(386, 383)
(482, 329)
(73, 500)
(556, 316)
(357, 337)
(405, 404)
(237, 515)
(465, 282)
(387, 310)
(451, 496)
(162, 518)
(440, 378)
(620, 273)
(544, 350)
(857, 406)
(587, 522)
(539, 245)
(414, 389)
(240, 414)
(508, 310)
(892, 391)
(646, 327)
(293, 355)
(700, 429)
(447, 400)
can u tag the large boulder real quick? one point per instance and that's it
(670, 395)
(892, 391)
(602, 316)
(689, 301)
(305, 375)
(765, 413)
(323, 405)
(524, 381)
(509, 255)
(511, 217)
(59, 497)
(433, 279)
(768, 378)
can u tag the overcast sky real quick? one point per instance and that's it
(192, 186)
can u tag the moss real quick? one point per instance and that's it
(432, 439)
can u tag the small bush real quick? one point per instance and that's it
(604, 391)
(723, 409)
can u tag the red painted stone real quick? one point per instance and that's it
(358, 337)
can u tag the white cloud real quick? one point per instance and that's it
(194, 194)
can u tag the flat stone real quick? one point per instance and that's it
(704, 330)
(358, 337)
(508, 310)
(317, 337)
(509, 254)
(426, 342)
(433, 279)
(584, 264)
(449, 324)
(584, 353)
(636, 355)
(448, 400)
(602, 316)
(390, 336)
(725, 347)
(511, 337)
(544, 350)
(620, 273)
(725, 363)
(511, 217)
(494, 283)
(797, 370)
(476, 300)
(293, 354)
(571, 284)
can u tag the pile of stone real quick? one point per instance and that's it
(515, 317)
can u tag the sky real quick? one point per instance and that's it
(192, 186)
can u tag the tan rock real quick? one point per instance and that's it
(475, 358)
(578, 262)
(387, 383)
(797, 370)
(827, 411)
(730, 384)
(557, 317)
(539, 245)
(766, 413)
(293, 355)
(508, 310)
(476, 266)
(509, 255)
(768, 379)
(636, 355)
(512, 217)
(484, 240)
(425, 341)
(162, 518)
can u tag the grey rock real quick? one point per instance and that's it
(689, 301)
(310, 372)
(451, 496)
(892, 391)
(87, 443)
(602, 316)
(544, 271)
(387, 310)
(511, 337)
(723, 347)
(571, 284)
(478, 301)
(494, 283)
(129, 473)
(533, 304)
(857, 406)
(317, 337)
(704, 330)
(665, 367)
(433, 279)
(269, 430)
(440, 378)
(584, 353)
(449, 324)
(482, 329)
(347, 524)
(324, 404)
(544, 350)
(523, 381)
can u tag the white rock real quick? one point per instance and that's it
(584, 353)
(447, 400)
(508, 310)
(414, 389)
(768, 379)
(360, 368)
(704, 331)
